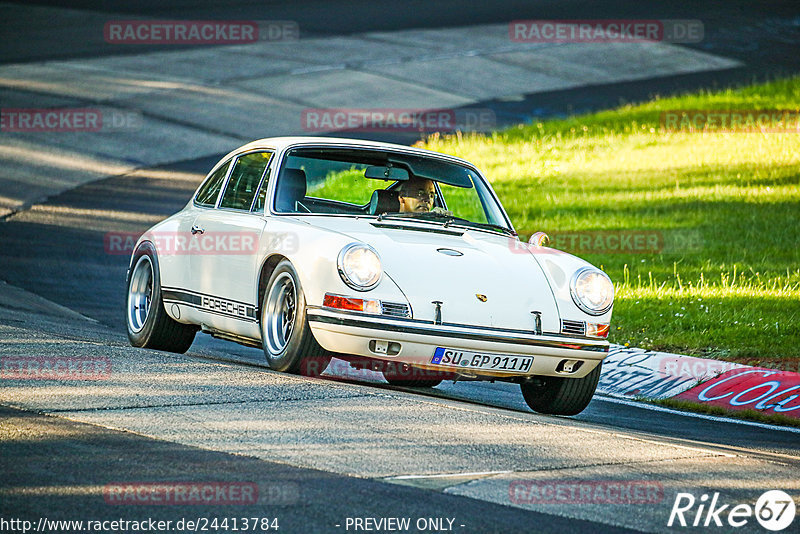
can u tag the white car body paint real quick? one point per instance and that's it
(515, 278)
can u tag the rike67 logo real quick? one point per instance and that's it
(774, 510)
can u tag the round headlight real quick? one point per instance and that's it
(592, 291)
(359, 267)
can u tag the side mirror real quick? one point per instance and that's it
(540, 239)
(381, 172)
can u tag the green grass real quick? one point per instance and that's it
(346, 186)
(733, 198)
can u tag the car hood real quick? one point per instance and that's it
(480, 278)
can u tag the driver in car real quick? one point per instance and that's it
(416, 195)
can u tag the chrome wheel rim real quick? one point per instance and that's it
(140, 294)
(279, 313)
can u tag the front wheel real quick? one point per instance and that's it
(149, 326)
(289, 344)
(557, 395)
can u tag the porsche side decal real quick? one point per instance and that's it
(210, 303)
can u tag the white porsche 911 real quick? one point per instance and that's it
(395, 258)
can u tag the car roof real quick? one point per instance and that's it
(280, 143)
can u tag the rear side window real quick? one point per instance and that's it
(209, 191)
(244, 180)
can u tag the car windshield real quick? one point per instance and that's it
(388, 185)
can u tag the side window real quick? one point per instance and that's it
(209, 191)
(244, 180)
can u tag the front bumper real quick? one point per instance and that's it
(355, 333)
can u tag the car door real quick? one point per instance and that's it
(176, 245)
(227, 259)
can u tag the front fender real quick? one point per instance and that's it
(314, 251)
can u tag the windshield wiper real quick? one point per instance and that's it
(450, 220)
(472, 224)
(490, 226)
(405, 215)
(503, 229)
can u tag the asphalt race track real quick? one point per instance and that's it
(92, 283)
(323, 452)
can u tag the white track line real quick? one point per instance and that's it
(449, 475)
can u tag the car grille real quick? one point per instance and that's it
(575, 328)
(395, 309)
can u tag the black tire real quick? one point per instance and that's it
(147, 321)
(401, 374)
(289, 348)
(557, 395)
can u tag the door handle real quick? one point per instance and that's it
(197, 230)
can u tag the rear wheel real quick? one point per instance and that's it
(557, 395)
(289, 344)
(149, 326)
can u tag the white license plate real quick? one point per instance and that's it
(481, 360)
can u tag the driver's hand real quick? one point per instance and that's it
(441, 211)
